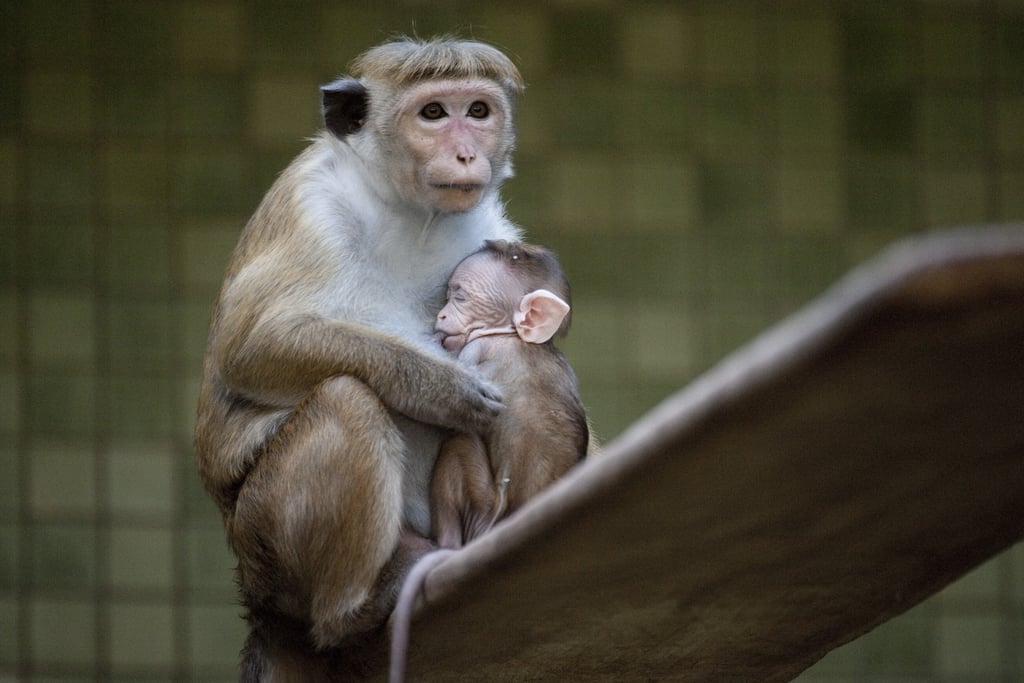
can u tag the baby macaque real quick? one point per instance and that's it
(504, 305)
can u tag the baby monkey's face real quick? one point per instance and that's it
(482, 295)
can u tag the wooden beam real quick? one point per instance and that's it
(833, 473)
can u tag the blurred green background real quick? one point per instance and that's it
(703, 169)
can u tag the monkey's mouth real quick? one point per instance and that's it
(461, 187)
(452, 342)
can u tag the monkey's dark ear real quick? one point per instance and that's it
(344, 106)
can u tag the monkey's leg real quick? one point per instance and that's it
(464, 493)
(280, 649)
(320, 515)
(448, 495)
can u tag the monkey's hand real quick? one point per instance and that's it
(444, 393)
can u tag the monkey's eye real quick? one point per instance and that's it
(456, 293)
(433, 111)
(479, 110)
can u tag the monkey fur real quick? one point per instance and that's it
(325, 395)
(543, 430)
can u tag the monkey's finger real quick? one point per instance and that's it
(492, 399)
(485, 405)
(492, 395)
(494, 406)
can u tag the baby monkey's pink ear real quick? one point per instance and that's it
(539, 315)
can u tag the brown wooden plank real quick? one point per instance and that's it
(833, 473)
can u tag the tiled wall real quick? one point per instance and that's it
(703, 168)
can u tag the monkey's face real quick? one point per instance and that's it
(454, 139)
(482, 296)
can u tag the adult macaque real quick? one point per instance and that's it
(505, 303)
(325, 395)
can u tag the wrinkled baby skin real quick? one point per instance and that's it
(482, 298)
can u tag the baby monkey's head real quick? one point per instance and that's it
(506, 288)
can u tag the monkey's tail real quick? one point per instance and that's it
(401, 621)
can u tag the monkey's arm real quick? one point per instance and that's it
(282, 357)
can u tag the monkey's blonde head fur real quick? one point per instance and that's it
(408, 60)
